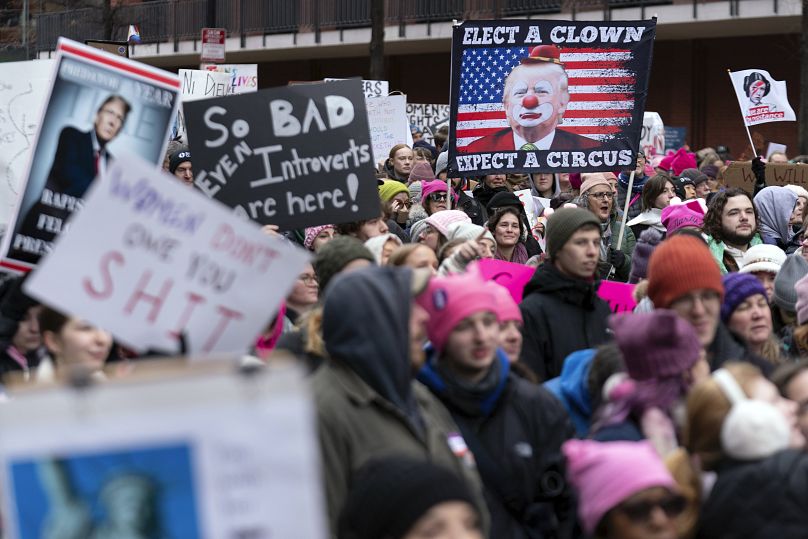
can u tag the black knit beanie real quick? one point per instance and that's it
(389, 495)
(562, 224)
(335, 255)
(179, 156)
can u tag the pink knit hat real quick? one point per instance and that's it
(681, 160)
(448, 300)
(436, 186)
(507, 309)
(421, 172)
(311, 235)
(802, 299)
(607, 473)
(678, 216)
(441, 220)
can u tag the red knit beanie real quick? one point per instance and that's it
(678, 266)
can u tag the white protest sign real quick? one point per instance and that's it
(244, 76)
(526, 197)
(428, 118)
(387, 121)
(199, 84)
(652, 140)
(149, 258)
(371, 88)
(775, 147)
(191, 455)
(24, 88)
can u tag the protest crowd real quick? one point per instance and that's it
(623, 356)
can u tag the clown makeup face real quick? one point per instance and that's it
(535, 99)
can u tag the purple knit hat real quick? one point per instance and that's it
(311, 235)
(737, 288)
(656, 345)
(646, 244)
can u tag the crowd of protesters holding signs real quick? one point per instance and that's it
(472, 370)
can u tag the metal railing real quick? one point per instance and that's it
(175, 20)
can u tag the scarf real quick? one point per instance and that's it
(519, 256)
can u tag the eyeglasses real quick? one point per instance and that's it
(608, 195)
(308, 279)
(640, 511)
(705, 297)
(437, 197)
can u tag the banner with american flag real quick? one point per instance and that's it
(548, 96)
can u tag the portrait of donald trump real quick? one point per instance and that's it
(535, 96)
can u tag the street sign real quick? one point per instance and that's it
(213, 44)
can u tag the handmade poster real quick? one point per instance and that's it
(775, 147)
(675, 137)
(295, 156)
(428, 118)
(652, 141)
(244, 77)
(100, 107)
(739, 174)
(512, 276)
(192, 456)
(151, 260)
(548, 95)
(761, 98)
(371, 88)
(619, 296)
(23, 93)
(387, 121)
(198, 84)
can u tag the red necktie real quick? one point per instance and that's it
(97, 158)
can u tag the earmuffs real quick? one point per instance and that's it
(753, 429)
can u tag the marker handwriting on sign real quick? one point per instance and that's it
(150, 203)
(339, 113)
(230, 245)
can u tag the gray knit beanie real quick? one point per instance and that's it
(785, 294)
(563, 224)
(442, 162)
(335, 255)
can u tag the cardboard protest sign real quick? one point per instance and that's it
(387, 121)
(100, 107)
(198, 84)
(512, 276)
(761, 98)
(149, 259)
(23, 94)
(548, 95)
(295, 156)
(194, 455)
(652, 141)
(428, 118)
(244, 77)
(619, 296)
(739, 174)
(371, 88)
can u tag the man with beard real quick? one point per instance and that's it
(731, 225)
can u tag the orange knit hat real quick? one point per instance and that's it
(679, 265)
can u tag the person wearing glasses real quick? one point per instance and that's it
(597, 196)
(302, 298)
(656, 196)
(624, 490)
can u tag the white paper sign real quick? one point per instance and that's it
(24, 90)
(775, 147)
(149, 258)
(387, 120)
(428, 118)
(372, 88)
(762, 99)
(244, 76)
(206, 456)
(198, 84)
(652, 141)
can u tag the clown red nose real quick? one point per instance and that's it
(530, 101)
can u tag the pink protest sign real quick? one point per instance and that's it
(512, 276)
(619, 295)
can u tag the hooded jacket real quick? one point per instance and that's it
(368, 405)
(759, 500)
(775, 206)
(636, 193)
(515, 430)
(561, 315)
(572, 389)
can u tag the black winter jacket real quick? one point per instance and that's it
(759, 500)
(471, 207)
(561, 315)
(515, 432)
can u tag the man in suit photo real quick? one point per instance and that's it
(535, 98)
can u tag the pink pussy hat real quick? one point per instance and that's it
(506, 307)
(448, 300)
(678, 216)
(607, 473)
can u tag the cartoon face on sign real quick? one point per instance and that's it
(535, 94)
(756, 86)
